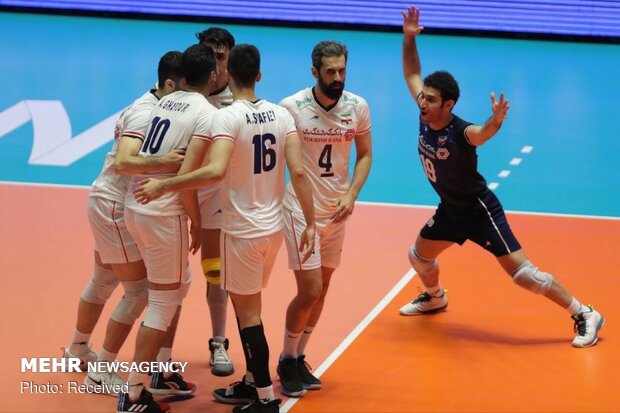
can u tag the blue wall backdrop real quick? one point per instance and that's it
(563, 98)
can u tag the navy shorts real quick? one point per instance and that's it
(483, 223)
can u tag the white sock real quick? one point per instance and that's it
(265, 393)
(249, 377)
(136, 384)
(291, 341)
(105, 355)
(79, 343)
(576, 307)
(217, 299)
(303, 341)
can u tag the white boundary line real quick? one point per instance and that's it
(356, 332)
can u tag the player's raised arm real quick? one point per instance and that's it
(479, 134)
(411, 59)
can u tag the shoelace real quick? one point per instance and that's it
(580, 324)
(219, 354)
(424, 297)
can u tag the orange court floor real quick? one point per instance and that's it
(498, 348)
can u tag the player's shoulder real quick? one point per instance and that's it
(352, 99)
(298, 100)
(149, 99)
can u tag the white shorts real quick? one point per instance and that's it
(113, 241)
(247, 262)
(327, 245)
(164, 244)
(210, 203)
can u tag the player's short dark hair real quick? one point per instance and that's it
(198, 62)
(328, 48)
(244, 64)
(445, 83)
(169, 67)
(217, 36)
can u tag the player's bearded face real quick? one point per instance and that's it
(332, 90)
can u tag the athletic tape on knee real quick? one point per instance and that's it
(162, 306)
(210, 265)
(423, 266)
(100, 287)
(133, 302)
(532, 279)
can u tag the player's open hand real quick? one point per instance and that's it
(499, 107)
(306, 247)
(344, 208)
(148, 190)
(411, 21)
(196, 238)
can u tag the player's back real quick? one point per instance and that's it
(177, 117)
(253, 186)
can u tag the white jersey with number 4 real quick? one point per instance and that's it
(253, 186)
(133, 122)
(326, 137)
(179, 117)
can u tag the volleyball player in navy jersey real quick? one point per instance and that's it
(468, 209)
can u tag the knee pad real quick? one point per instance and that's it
(210, 265)
(100, 287)
(133, 302)
(422, 265)
(162, 306)
(532, 279)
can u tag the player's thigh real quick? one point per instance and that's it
(113, 241)
(439, 233)
(294, 225)
(332, 241)
(247, 262)
(165, 245)
(130, 271)
(210, 243)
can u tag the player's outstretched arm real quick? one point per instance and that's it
(411, 60)
(219, 159)
(479, 134)
(303, 190)
(128, 162)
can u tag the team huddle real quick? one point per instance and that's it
(198, 164)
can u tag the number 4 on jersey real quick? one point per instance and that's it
(325, 161)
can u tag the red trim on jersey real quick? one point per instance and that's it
(295, 238)
(203, 137)
(224, 136)
(133, 134)
(293, 132)
(118, 231)
(362, 132)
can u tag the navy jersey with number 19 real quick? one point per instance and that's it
(451, 163)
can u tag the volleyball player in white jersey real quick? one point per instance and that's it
(209, 199)
(329, 119)
(117, 258)
(160, 229)
(251, 139)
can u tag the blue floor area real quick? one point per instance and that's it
(563, 98)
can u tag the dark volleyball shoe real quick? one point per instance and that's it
(290, 379)
(259, 406)
(144, 404)
(173, 386)
(240, 392)
(308, 379)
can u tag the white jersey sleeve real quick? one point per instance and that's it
(133, 122)
(177, 118)
(253, 186)
(326, 138)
